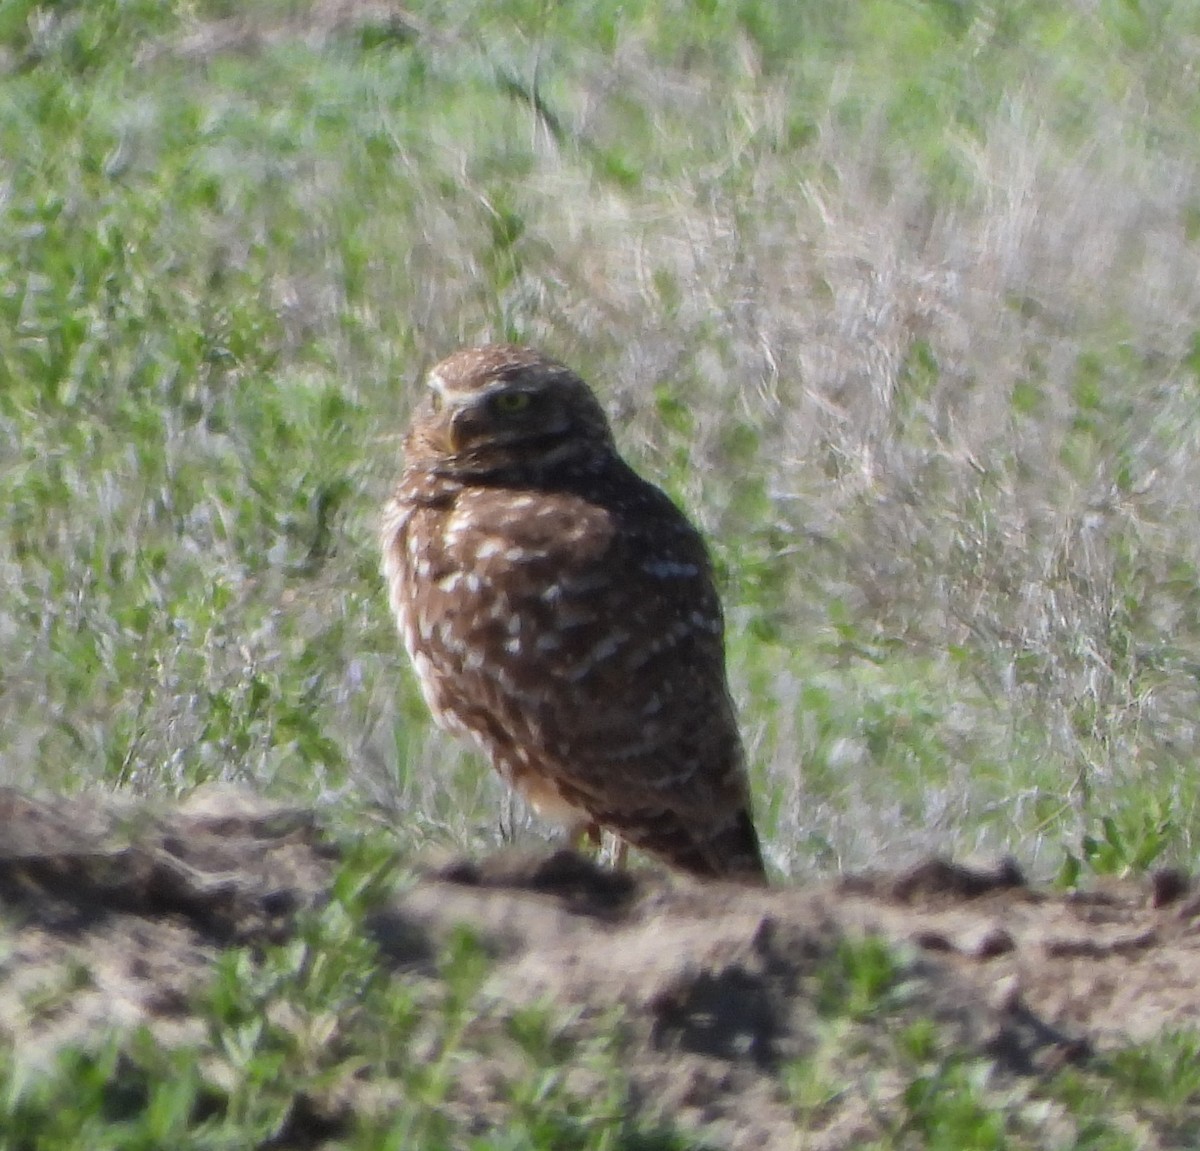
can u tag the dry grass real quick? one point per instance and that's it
(899, 298)
(900, 303)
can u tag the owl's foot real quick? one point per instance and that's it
(586, 838)
(589, 839)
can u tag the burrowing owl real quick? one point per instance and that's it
(561, 610)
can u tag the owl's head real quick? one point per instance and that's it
(501, 407)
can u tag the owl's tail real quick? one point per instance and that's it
(729, 850)
(732, 852)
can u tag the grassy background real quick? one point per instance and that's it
(899, 298)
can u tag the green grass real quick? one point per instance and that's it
(893, 1074)
(321, 1040)
(915, 343)
(330, 1040)
(898, 298)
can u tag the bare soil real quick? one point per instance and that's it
(721, 988)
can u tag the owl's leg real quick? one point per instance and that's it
(587, 838)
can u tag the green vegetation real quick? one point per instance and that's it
(899, 298)
(292, 1035)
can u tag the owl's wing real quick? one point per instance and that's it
(581, 640)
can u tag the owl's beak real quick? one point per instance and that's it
(462, 429)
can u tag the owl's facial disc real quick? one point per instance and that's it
(505, 417)
(508, 410)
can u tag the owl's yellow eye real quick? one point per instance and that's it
(509, 403)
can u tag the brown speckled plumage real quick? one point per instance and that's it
(561, 611)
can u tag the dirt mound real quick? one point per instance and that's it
(722, 989)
